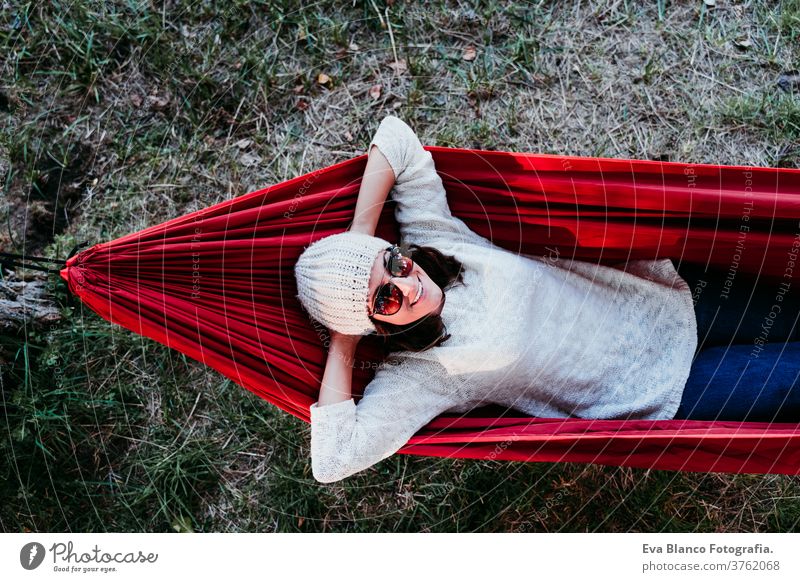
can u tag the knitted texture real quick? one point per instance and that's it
(547, 336)
(332, 277)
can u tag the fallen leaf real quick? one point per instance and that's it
(375, 91)
(474, 103)
(298, 89)
(136, 100)
(469, 53)
(399, 66)
(157, 103)
(323, 79)
(302, 105)
(789, 80)
(743, 43)
(249, 159)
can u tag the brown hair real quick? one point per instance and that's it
(429, 331)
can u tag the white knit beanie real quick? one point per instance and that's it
(333, 280)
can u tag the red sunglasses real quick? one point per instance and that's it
(389, 298)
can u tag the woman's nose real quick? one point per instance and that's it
(408, 285)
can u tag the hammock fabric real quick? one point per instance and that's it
(218, 286)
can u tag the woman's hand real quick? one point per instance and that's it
(344, 341)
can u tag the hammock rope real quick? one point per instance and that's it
(218, 286)
(15, 260)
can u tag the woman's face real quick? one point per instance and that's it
(415, 305)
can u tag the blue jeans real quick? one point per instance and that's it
(747, 363)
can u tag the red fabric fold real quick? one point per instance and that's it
(218, 286)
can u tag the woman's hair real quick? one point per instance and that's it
(429, 331)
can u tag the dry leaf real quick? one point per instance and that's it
(375, 91)
(323, 79)
(789, 80)
(249, 159)
(136, 100)
(302, 105)
(399, 66)
(743, 43)
(469, 53)
(298, 89)
(157, 103)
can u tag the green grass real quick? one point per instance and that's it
(775, 114)
(119, 117)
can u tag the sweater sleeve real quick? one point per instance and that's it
(422, 210)
(401, 398)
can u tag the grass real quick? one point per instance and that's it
(117, 117)
(776, 115)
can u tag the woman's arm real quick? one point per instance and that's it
(402, 398)
(338, 376)
(422, 211)
(375, 186)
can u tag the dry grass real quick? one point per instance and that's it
(116, 118)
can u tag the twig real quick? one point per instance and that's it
(391, 35)
(235, 116)
(378, 12)
(721, 83)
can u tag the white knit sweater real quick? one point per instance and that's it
(547, 336)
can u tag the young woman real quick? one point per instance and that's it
(469, 323)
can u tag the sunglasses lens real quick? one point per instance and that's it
(401, 266)
(389, 300)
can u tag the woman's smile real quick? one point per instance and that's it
(421, 296)
(419, 292)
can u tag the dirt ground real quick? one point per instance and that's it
(115, 116)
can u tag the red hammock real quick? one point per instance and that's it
(218, 286)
